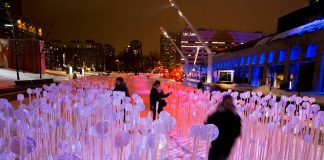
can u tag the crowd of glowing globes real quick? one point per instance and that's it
(84, 119)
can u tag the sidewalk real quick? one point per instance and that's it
(8, 88)
(236, 87)
(11, 74)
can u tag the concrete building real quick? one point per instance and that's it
(168, 54)
(217, 41)
(292, 60)
(311, 12)
(87, 54)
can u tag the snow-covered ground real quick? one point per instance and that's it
(8, 76)
(12, 75)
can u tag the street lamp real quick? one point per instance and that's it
(210, 57)
(7, 5)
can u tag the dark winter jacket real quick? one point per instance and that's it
(122, 88)
(155, 96)
(229, 125)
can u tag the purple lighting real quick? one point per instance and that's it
(306, 28)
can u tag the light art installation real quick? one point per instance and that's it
(80, 119)
(84, 119)
(272, 128)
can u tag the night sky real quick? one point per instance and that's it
(118, 21)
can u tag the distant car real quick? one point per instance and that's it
(178, 79)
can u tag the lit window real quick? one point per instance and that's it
(242, 61)
(233, 62)
(262, 57)
(254, 59)
(247, 60)
(246, 73)
(311, 51)
(294, 53)
(236, 62)
(281, 55)
(271, 57)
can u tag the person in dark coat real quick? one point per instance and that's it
(229, 125)
(157, 95)
(200, 85)
(75, 76)
(121, 86)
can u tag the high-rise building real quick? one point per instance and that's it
(132, 55)
(135, 46)
(168, 54)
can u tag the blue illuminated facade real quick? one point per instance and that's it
(294, 53)
(254, 59)
(291, 60)
(255, 76)
(311, 51)
(247, 60)
(271, 57)
(262, 58)
(281, 55)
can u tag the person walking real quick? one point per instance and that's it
(201, 86)
(120, 85)
(75, 76)
(229, 125)
(157, 95)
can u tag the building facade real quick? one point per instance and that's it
(88, 55)
(168, 54)
(313, 11)
(216, 40)
(28, 54)
(292, 60)
(12, 24)
(21, 44)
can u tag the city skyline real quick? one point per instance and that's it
(117, 24)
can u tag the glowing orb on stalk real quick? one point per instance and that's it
(22, 145)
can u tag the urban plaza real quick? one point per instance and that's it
(161, 80)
